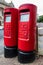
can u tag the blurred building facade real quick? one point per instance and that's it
(4, 4)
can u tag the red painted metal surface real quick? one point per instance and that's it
(11, 27)
(27, 29)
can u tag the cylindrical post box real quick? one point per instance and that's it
(27, 33)
(10, 32)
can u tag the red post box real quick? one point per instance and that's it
(27, 33)
(10, 32)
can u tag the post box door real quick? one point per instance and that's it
(24, 26)
(8, 25)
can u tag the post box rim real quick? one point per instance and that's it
(27, 5)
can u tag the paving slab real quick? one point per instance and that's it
(14, 61)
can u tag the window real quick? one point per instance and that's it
(8, 18)
(24, 18)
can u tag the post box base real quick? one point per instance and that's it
(26, 57)
(10, 52)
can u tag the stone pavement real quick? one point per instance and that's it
(14, 61)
